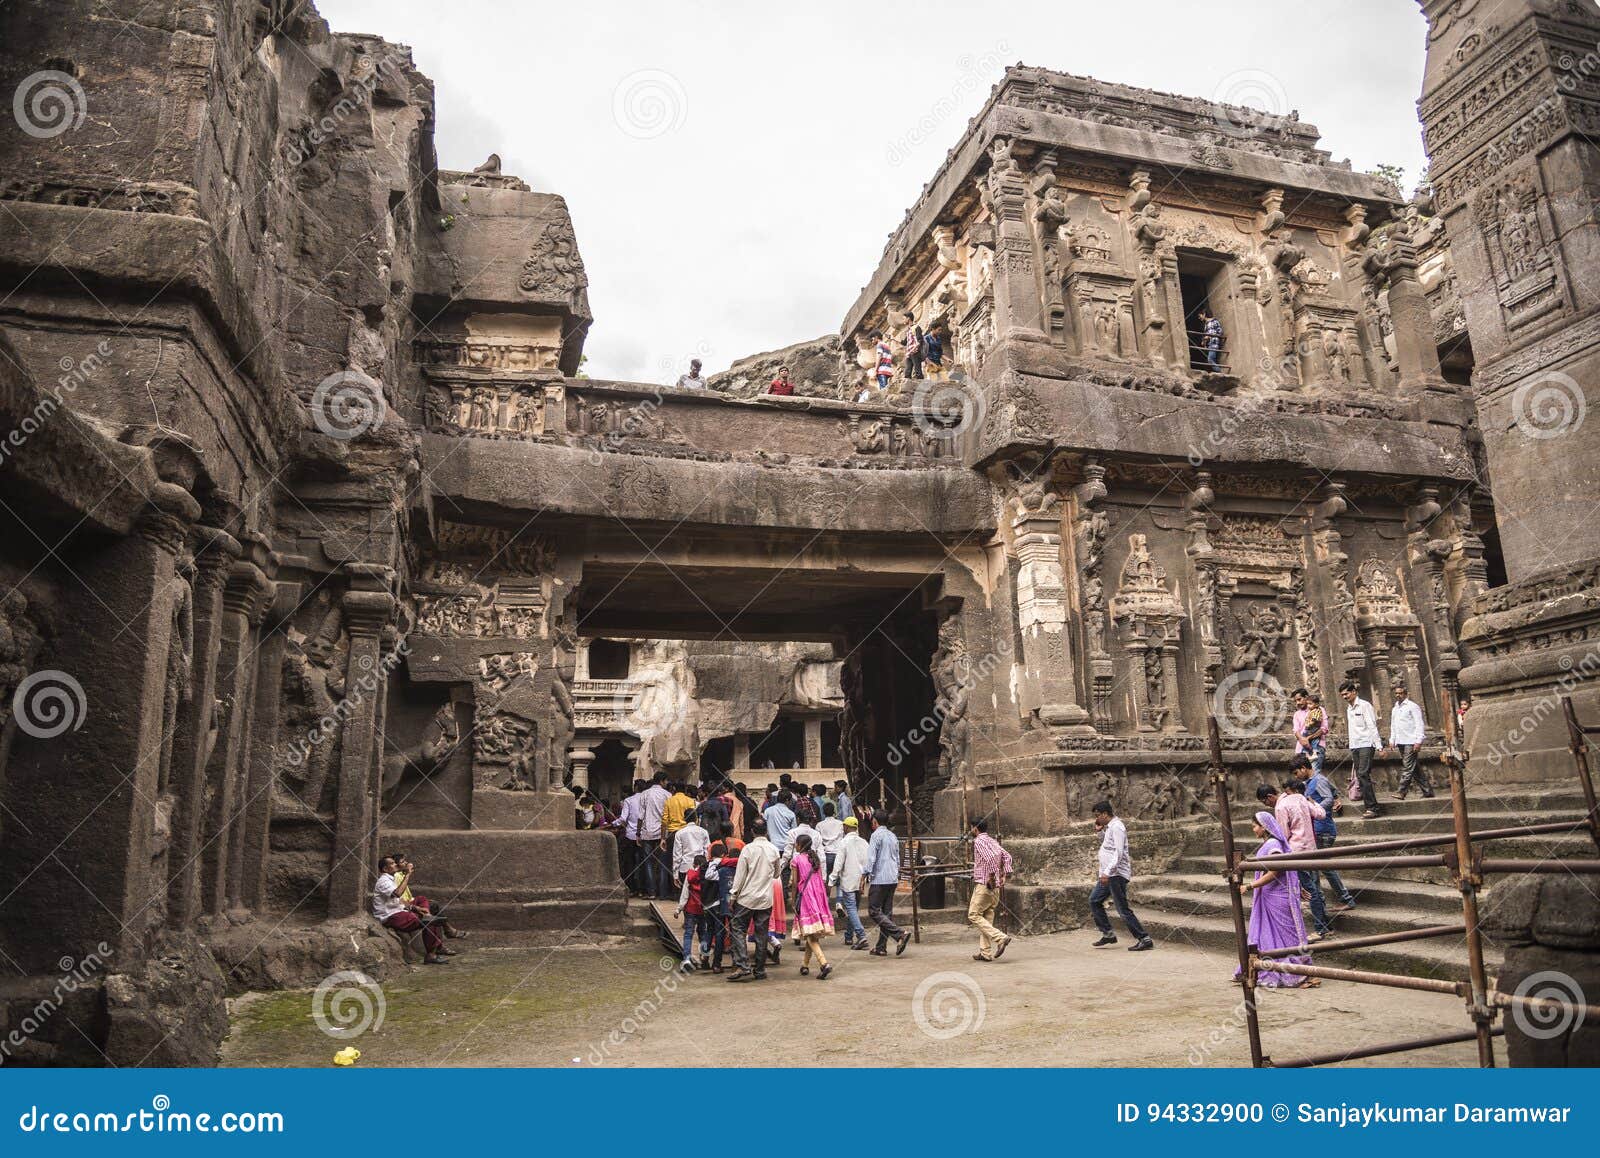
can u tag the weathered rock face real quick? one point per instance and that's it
(1513, 171)
(298, 408)
(1550, 926)
(817, 368)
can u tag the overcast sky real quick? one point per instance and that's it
(733, 169)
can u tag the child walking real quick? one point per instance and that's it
(813, 917)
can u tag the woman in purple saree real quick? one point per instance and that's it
(1275, 921)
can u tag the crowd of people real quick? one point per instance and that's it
(749, 876)
(1298, 816)
(798, 865)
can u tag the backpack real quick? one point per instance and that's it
(710, 887)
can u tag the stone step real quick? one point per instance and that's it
(1364, 920)
(1391, 824)
(1442, 957)
(1441, 902)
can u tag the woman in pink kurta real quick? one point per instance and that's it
(813, 918)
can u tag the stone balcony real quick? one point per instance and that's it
(606, 705)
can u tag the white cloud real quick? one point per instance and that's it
(800, 135)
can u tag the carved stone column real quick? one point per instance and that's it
(368, 606)
(741, 752)
(194, 733)
(256, 841)
(1392, 264)
(1019, 310)
(1092, 527)
(813, 742)
(83, 775)
(242, 597)
(1328, 545)
(580, 756)
(1042, 611)
(1204, 559)
(1428, 556)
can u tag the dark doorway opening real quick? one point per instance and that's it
(1202, 284)
(611, 774)
(1494, 560)
(610, 659)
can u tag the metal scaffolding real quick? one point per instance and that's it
(1467, 868)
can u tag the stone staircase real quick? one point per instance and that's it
(1189, 903)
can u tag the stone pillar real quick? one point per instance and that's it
(1197, 525)
(813, 725)
(254, 783)
(1042, 614)
(1090, 529)
(193, 729)
(1328, 545)
(78, 870)
(1393, 264)
(255, 839)
(1515, 173)
(1018, 308)
(242, 594)
(1428, 556)
(368, 606)
(741, 751)
(581, 756)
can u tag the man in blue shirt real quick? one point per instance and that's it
(844, 805)
(1320, 790)
(883, 878)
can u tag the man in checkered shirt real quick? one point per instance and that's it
(991, 865)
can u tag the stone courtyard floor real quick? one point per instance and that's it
(1052, 1000)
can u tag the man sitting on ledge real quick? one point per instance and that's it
(394, 913)
(423, 906)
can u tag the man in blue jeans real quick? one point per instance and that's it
(1320, 790)
(1116, 868)
(849, 866)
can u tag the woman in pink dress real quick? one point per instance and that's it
(813, 917)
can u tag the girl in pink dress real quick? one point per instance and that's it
(813, 918)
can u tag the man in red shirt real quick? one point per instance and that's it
(781, 384)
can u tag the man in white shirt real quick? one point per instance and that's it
(752, 902)
(1116, 870)
(830, 831)
(652, 804)
(688, 842)
(692, 380)
(1407, 732)
(391, 910)
(1361, 722)
(849, 866)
